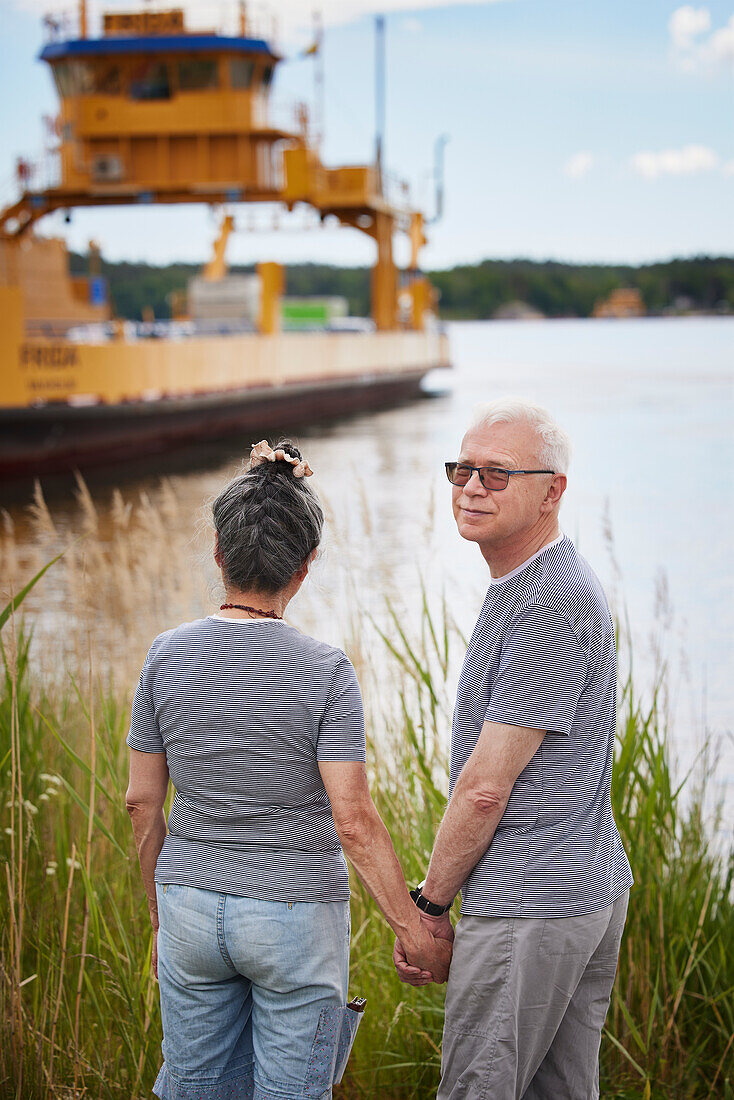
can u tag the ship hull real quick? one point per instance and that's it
(55, 438)
(66, 406)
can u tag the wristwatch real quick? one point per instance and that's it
(426, 906)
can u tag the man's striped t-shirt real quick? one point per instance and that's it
(244, 709)
(542, 655)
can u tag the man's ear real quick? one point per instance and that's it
(555, 491)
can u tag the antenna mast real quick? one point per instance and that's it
(318, 78)
(438, 157)
(379, 95)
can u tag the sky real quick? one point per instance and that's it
(577, 130)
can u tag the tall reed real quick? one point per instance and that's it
(78, 1004)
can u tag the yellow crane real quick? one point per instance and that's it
(216, 268)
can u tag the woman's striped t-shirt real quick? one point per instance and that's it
(244, 709)
(542, 655)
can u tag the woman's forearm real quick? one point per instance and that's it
(369, 849)
(149, 830)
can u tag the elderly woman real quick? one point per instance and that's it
(260, 729)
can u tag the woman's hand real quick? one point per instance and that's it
(154, 954)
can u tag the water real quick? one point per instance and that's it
(649, 405)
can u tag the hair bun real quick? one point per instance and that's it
(289, 446)
(284, 458)
(288, 449)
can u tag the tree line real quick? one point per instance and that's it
(468, 291)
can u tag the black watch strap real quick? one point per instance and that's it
(426, 906)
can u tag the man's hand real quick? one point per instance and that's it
(415, 973)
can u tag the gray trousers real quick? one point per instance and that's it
(525, 1005)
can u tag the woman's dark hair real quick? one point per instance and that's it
(267, 523)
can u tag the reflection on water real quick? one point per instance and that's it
(649, 407)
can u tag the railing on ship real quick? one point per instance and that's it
(63, 26)
(60, 26)
(34, 174)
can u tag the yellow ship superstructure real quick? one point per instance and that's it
(151, 113)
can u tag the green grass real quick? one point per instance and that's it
(78, 1007)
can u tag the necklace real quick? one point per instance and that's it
(253, 610)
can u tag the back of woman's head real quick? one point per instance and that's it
(268, 522)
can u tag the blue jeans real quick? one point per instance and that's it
(253, 996)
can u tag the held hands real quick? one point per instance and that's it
(427, 956)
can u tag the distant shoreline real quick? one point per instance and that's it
(702, 285)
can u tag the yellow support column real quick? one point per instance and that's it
(419, 287)
(417, 239)
(271, 289)
(421, 293)
(384, 275)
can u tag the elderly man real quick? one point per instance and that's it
(528, 835)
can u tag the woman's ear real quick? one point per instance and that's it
(302, 571)
(217, 551)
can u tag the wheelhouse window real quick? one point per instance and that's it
(240, 72)
(73, 77)
(197, 75)
(62, 78)
(267, 76)
(150, 81)
(107, 79)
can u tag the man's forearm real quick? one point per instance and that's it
(463, 837)
(481, 794)
(149, 830)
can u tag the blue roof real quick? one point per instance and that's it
(159, 43)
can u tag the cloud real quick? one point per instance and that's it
(412, 25)
(578, 165)
(721, 43)
(693, 46)
(687, 23)
(728, 168)
(688, 161)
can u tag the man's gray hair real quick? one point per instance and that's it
(555, 445)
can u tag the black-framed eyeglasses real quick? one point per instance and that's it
(492, 477)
